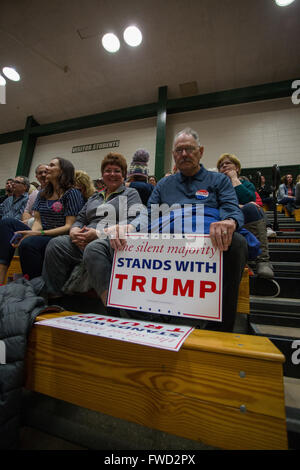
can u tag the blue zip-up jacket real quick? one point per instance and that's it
(213, 190)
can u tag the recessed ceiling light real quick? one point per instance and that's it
(284, 3)
(11, 73)
(2, 80)
(132, 36)
(110, 42)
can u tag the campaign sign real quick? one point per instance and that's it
(177, 275)
(157, 335)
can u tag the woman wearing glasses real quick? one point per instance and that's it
(103, 209)
(55, 210)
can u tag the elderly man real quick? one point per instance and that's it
(193, 185)
(14, 205)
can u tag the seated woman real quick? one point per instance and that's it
(85, 184)
(103, 209)
(286, 193)
(55, 210)
(254, 218)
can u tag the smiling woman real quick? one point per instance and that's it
(86, 240)
(55, 210)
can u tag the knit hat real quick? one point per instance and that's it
(139, 164)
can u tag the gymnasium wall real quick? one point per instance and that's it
(9, 157)
(259, 133)
(132, 135)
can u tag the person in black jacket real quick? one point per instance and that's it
(137, 177)
(265, 193)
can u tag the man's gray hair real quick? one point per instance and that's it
(26, 181)
(187, 131)
(37, 168)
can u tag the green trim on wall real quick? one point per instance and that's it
(221, 98)
(161, 132)
(9, 137)
(27, 149)
(95, 120)
(160, 109)
(230, 97)
(266, 171)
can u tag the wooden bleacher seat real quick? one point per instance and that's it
(14, 268)
(297, 215)
(223, 389)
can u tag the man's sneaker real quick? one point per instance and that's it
(264, 270)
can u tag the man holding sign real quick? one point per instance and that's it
(193, 185)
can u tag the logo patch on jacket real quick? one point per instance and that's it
(202, 194)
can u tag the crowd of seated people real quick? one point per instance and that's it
(58, 226)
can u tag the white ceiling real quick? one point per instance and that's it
(219, 44)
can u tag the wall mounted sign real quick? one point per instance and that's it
(98, 146)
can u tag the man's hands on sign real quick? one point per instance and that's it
(221, 233)
(118, 235)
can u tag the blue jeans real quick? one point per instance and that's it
(31, 249)
(252, 213)
(290, 203)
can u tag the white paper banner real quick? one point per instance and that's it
(157, 335)
(168, 275)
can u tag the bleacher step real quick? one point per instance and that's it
(277, 304)
(277, 330)
(285, 269)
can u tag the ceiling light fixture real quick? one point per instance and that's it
(11, 73)
(132, 36)
(110, 42)
(284, 3)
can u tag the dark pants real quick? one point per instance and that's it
(252, 213)
(289, 203)
(31, 249)
(234, 262)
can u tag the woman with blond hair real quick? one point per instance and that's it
(84, 183)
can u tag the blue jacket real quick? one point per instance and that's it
(208, 188)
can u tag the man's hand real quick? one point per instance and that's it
(232, 174)
(221, 233)
(83, 236)
(118, 235)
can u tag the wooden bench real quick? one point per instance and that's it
(297, 215)
(14, 268)
(223, 389)
(243, 300)
(279, 208)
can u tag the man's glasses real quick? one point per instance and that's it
(18, 182)
(189, 149)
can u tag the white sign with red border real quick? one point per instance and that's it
(158, 335)
(174, 275)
